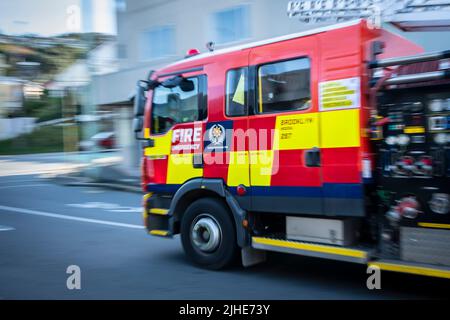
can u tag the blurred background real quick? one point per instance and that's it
(68, 69)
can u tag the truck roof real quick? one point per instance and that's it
(188, 61)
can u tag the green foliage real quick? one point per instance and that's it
(57, 54)
(47, 108)
(42, 140)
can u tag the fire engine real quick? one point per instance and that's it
(330, 143)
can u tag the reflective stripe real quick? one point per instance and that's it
(434, 225)
(312, 247)
(158, 211)
(162, 233)
(423, 271)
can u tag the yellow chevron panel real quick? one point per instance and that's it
(180, 168)
(261, 167)
(340, 128)
(238, 169)
(162, 146)
(296, 131)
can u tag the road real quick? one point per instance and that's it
(46, 227)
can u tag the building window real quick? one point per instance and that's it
(121, 51)
(157, 43)
(284, 86)
(121, 5)
(236, 92)
(180, 104)
(232, 24)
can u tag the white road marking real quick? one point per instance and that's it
(62, 216)
(11, 181)
(6, 228)
(112, 207)
(26, 185)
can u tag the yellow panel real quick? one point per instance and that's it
(261, 167)
(340, 128)
(162, 146)
(180, 168)
(296, 131)
(238, 169)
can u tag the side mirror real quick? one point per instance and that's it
(172, 82)
(140, 99)
(187, 85)
(138, 124)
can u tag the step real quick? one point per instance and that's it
(312, 249)
(412, 268)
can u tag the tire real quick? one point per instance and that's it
(199, 226)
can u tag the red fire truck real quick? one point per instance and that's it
(330, 143)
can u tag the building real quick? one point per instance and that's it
(11, 95)
(157, 32)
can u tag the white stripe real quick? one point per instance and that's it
(26, 185)
(61, 216)
(6, 228)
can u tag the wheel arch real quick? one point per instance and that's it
(196, 189)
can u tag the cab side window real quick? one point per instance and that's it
(180, 104)
(284, 86)
(236, 92)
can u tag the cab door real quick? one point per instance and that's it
(285, 171)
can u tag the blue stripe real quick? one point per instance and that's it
(328, 190)
(343, 190)
(163, 188)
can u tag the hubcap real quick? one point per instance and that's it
(206, 233)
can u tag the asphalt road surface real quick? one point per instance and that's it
(46, 227)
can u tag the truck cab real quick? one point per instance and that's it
(321, 143)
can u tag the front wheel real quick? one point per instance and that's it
(208, 234)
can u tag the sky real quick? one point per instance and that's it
(50, 17)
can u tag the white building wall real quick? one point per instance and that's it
(13, 127)
(193, 24)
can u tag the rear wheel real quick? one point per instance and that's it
(208, 234)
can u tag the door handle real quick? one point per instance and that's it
(197, 160)
(148, 143)
(312, 157)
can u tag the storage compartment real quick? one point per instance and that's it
(331, 231)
